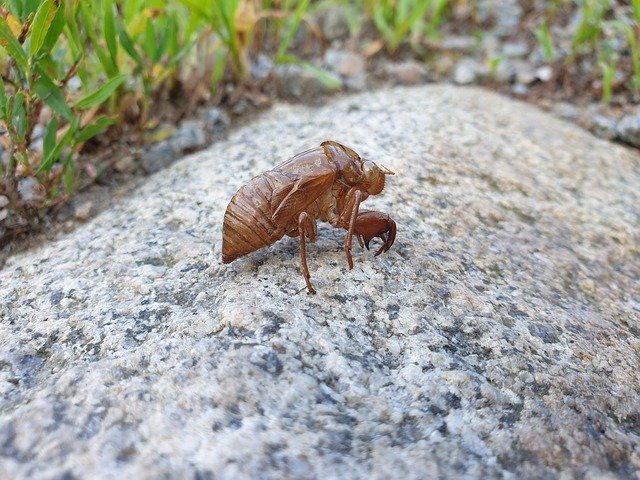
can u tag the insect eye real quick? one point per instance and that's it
(368, 168)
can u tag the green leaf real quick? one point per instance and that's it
(49, 92)
(149, 39)
(41, 22)
(50, 137)
(57, 25)
(18, 115)
(11, 44)
(169, 33)
(94, 129)
(110, 34)
(54, 153)
(127, 43)
(102, 93)
(3, 96)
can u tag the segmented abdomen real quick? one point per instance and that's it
(248, 224)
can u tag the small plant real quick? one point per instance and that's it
(543, 35)
(608, 67)
(31, 80)
(396, 20)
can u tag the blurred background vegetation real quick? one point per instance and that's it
(74, 70)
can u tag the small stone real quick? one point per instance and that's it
(545, 73)
(468, 70)
(520, 89)
(515, 49)
(82, 211)
(38, 131)
(629, 130)
(458, 43)
(604, 127)
(190, 136)
(356, 84)
(216, 120)
(298, 82)
(334, 24)
(126, 164)
(566, 110)
(345, 63)
(443, 66)
(30, 190)
(159, 156)
(260, 68)
(4, 213)
(4, 201)
(406, 73)
(525, 74)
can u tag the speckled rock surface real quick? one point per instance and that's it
(498, 338)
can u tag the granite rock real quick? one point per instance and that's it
(498, 338)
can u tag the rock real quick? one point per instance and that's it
(4, 201)
(498, 338)
(82, 211)
(159, 155)
(344, 62)
(458, 43)
(566, 110)
(216, 120)
(334, 24)
(190, 136)
(544, 73)
(4, 213)
(443, 65)
(30, 190)
(469, 70)
(408, 72)
(126, 164)
(629, 129)
(604, 127)
(515, 49)
(260, 68)
(506, 15)
(297, 82)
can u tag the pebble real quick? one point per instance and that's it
(629, 130)
(334, 24)
(604, 127)
(216, 120)
(468, 70)
(409, 72)
(297, 82)
(4, 201)
(190, 136)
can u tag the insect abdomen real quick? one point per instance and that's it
(248, 224)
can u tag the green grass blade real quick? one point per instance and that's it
(41, 22)
(110, 34)
(102, 93)
(293, 28)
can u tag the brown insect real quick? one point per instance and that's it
(325, 183)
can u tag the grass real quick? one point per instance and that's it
(81, 67)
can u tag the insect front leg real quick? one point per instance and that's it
(306, 229)
(370, 224)
(357, 199)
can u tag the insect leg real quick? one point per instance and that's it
(352, 224)
(306, 227)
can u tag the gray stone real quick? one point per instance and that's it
(30, 190)
(4, 201)
(409, 72)
(126, 164)
(458, 43)
(344, 62)
(334, 24)
(260, 68)
(604, 127)
(515, 49)
(498, 338)
(566, 110)
(82, 210)
(159, 155)
(216, 120)
(190, 136)
(4, 213)
(629, 130)
(544, 73)
(297, 82)
(469, 70)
